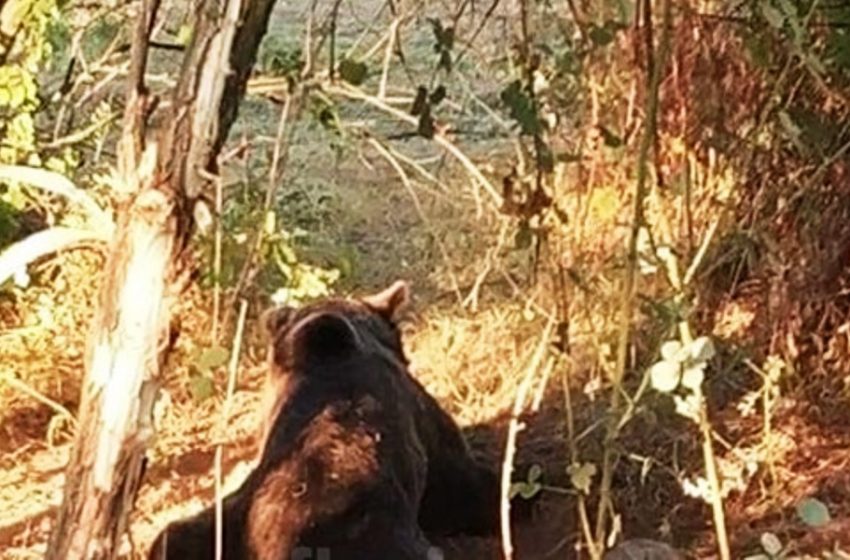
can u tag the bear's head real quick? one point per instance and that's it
(310, 338)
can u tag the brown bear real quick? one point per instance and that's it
(359, 462)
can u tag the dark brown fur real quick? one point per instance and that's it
(358, 458)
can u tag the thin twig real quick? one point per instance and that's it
(332, 45)
(19, 385)
(82, 134)
(388, 55)
(629, 285)
(217, 239)
(430, 177)
(477, 31)
(405, 180)
(223, 421)
(279, 158)
(697, 260)
(471, 300)
(352, 92)
(514, 427)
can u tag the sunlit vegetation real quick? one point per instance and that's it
(626, 225)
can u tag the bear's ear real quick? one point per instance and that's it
(390, 301)
(324, 337)
(274, 319)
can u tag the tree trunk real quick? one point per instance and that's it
(148, 265)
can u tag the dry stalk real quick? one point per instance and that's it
(628, 294)
(405, 180)
(388, 56)
(279, 159)
(9, 378)
(217, 238)
(223, 420)
(474, 172)
(572, 442)
(514, 428)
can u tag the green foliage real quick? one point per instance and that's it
(581, 476)
(529, 487)
(17, 88)
(680, 363)
(201, 387)
(9, 222)
(352, 71)
(211, 358)
(24, 55)
(326, 114)
(422, 104)
(444, 39)
(204, 363)
(521, 107)
(611, 140)
(300, 282)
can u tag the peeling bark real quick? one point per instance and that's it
(148, 266)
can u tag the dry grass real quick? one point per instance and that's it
(792, 302)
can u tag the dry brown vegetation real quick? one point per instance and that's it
(747, 177)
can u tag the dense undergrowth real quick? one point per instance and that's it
(636, 213)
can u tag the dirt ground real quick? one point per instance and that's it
(472, 357)
(453, 355)
(473, 363)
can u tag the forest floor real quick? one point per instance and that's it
(472, 361)
(471, 343)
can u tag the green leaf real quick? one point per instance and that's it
(445, 61)
(201, 387)
(665, 376)
(445, 36)
(437, 95)
(534, 473)
(813, 512)
(525, 489)
(689, 406)
(419, 101)
(425, 128)
(771, 544)
(521, 107)
(352, 71)
(211, 358)
(581, 475)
